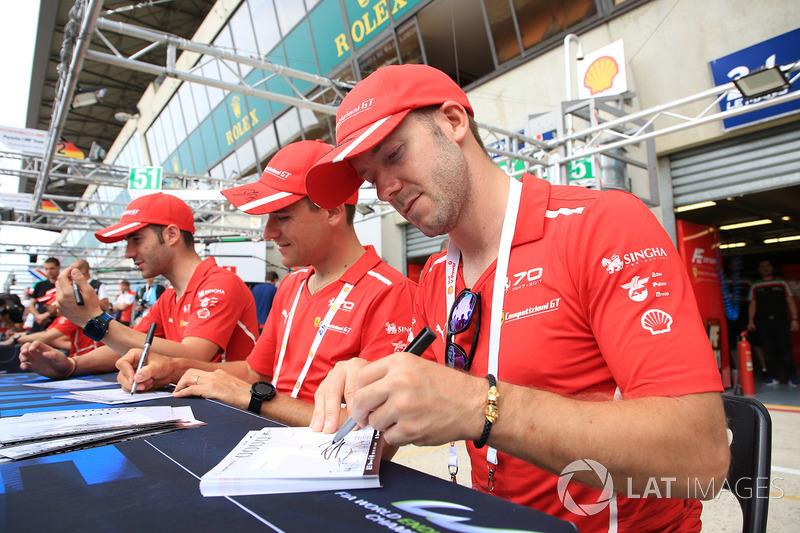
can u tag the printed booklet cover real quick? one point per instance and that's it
(296, 459)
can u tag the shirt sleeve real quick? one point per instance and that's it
(388, 323)
(216, 314)
(636, 295)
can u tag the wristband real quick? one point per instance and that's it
(74, 366)
(492, 413)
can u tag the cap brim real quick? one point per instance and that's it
(117, 232)
(331, 181)
(259, 199)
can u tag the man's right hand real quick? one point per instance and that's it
(340, 383)
(156, 373)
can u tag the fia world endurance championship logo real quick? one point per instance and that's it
(591, 508)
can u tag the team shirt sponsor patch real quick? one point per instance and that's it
(616, 263)
(657, 321)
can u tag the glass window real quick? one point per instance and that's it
(311, 3)
(288, 127)
(384, 54)
(316, 126)
(247, 156)
(228, 70)
(241, 26)
(215, 95)
(266, 143)
(540, 20)
(167, 131)
(217, 172)
(199, 98)
(153, 144)
(455, 39)
(265, 23)
(188, 111)
(504, 32)
(230, 166)
(289, 13)
(176, 119)
(408, 42)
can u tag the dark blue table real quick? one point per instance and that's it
(152, 483)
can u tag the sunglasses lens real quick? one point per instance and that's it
(462, 311)
(455, 357)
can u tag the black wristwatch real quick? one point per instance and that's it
(97, 327)
(260, 392)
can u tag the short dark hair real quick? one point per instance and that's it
(427, 111)
(53, 260)
(188, 238)
(272, 275)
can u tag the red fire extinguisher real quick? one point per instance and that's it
(746, 365)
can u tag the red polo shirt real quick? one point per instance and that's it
(597, 301)
(216, 306)
(79, 343)
(373, 322)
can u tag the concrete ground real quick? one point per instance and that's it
(722, 514)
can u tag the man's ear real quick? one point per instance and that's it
(456, 118)
(336, 214)
(171, 234)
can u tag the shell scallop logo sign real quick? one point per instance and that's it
(602, 73)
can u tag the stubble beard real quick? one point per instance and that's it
(451, 192)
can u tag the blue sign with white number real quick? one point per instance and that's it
(780, 50)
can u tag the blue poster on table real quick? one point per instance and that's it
(780, 50)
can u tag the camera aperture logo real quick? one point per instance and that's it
(583, 508)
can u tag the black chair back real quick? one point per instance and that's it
(751, 459)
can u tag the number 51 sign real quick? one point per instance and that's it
(145, 179)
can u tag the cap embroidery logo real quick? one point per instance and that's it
(130, 212)
(280, 174)
(363, 106)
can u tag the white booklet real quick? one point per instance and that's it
(289, 459)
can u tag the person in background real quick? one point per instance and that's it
(123, 305)
(61, 334)
(207, 314)
(343, 303)
(42, 314)
(11, 313)
(147, 295)
(773, 315)
(98, 286)
(264, 293)
(551, 350)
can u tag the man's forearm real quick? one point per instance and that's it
(639, 441)
(99, 360)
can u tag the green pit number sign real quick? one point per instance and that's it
(581, 169)
(145, 179)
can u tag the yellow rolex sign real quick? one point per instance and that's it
(145, 179)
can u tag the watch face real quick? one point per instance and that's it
(263, 390)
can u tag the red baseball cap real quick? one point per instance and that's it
(283, 182)
(368, 113)
(162, 209)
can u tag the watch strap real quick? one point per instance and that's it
(97, 327)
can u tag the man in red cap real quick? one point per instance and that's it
(572, 331)
(343, 303)
(208, 314)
